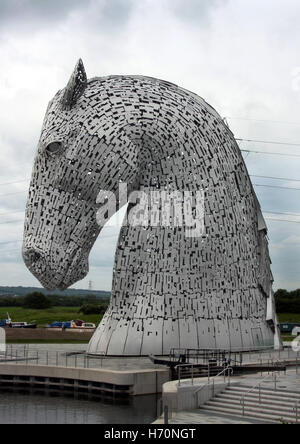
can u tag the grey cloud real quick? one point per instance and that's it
(11, 257)
(115, 12)
(33, 14)
(107, 15)
(194, 11)
(36, 10)
(103, 262)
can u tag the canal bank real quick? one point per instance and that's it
(47, 334)
(111, 382)
(67, 368)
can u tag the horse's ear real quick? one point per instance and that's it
(75, 87)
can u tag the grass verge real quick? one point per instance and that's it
(45, 341)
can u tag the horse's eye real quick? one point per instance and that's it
(54, 148)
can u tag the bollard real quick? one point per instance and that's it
(159, 407)
(166, 415)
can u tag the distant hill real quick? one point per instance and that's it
(23, 291)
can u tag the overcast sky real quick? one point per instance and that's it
(242, 56)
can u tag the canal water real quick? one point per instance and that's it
(33, 408)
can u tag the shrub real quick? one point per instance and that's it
(37, 301)
(89, 309)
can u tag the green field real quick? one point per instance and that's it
(45, 317)
(289, 317)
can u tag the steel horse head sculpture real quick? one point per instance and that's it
(170, 289)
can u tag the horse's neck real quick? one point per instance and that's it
(146, 258)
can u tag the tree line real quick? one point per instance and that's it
(287, 301)
(38, 301)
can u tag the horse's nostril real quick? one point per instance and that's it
(32, 256)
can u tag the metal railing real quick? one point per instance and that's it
(178, 367)
(167, 409)
(257, 355)
(296, 410)
(258, 386)
(229, 371)
(24, 355)
(296, 407)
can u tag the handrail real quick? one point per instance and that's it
(296, 410)
(185, 365)
(242, 400)
(230, 373)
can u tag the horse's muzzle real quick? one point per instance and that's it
(52, 272)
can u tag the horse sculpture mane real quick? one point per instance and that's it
(175, 285)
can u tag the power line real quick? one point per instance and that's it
(13, 194)
(263, 120)
(13, 183)
(268, 142)
(276, 178)
(11, 222)
(110, 236)
(270, 154)
(286, 214)
(10, 242)
(274, 186)
(12, 212)
(251, 175)
(283, 220)
(11, 251)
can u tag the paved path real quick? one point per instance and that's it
(289, 381)
(72, 355)
(54, 354)
(202, 417)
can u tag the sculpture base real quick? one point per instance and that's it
(143, 337)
